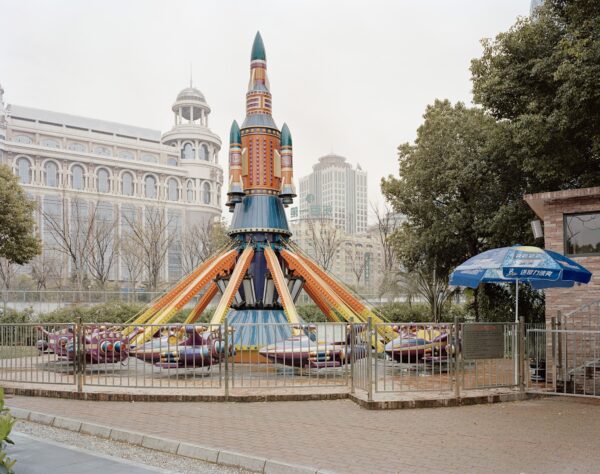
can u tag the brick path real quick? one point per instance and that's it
(539, 436)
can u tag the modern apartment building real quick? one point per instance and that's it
(335, 190)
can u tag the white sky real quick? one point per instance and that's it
(347, 76)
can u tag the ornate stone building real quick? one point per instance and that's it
(71, 164)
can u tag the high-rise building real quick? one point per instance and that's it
(337, 191)
(73, 166)
(534, 5)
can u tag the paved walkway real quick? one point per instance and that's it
(35, 456)
(539, 436)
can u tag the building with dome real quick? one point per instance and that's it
(71, 165)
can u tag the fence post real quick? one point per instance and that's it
(554, 351)
(521, 354)
(370, 359)
(79, 360)
(226, 347)
(456, 366)
(351, 357)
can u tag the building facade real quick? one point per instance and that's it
(355, 259)
(571, 221)
(75, 166)
(334, 190)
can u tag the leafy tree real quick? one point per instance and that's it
(459, 188)
(18, 242)
(542, 77)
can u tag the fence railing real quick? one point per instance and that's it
(377, 359)
(564, 362)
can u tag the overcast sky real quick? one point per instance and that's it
(352, 77)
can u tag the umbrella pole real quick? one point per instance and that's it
(517, 302)
(515, 332)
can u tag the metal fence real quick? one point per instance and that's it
(378, 359)
(564, 362)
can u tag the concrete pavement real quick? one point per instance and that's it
(547, 436)
(36, 456)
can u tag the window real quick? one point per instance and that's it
(190, 191)
(173, 190)
(582, 234)
(149, 159)
(23, 139)
(102, 150)
(51, 174)
(172, 162)
(103, 182)
(218, 195)
(187, 152)
(206, 193)
(127, 184)
(77, 178)
(24, 170)
(125, 155)
(50, 143)
(76, 147)
(204, 152)
(150, 187)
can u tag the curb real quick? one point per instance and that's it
(140, 397)
(169, 446)
(443, 402)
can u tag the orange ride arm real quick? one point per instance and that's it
(284, 293)
(203, 302)
(170, 295)
(222, 263)
(322, 288)
(356, 304)
(234, 283)
(328, 311)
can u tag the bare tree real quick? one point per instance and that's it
(46, 267)
(102, 254)
(356, 262)
(7, 273)
(150, 232)
(324, 239)
(72, 233)
(199, 242)
(132, 257)
(391, 273)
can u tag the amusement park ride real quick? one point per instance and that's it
(259, 276)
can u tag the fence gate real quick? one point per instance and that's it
(564, 362)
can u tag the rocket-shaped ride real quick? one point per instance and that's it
(261, 273)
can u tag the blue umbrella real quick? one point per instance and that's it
(540, 268)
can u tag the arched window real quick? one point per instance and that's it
(102, 150)
(218, 195)
(172, 162)
(204, 152)
(23, 139)
(77, 179)
(206, 193)
(149, 158)
(190, 191)
(50, 143)
(24, 170)
(51, 174)
(76, 146)
(127, 184)
(125, 155)
(187, 152)
(150, 187)
(103, 183)
(173, 190)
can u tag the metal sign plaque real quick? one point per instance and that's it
(483, 341)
